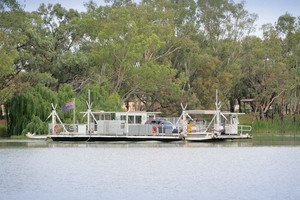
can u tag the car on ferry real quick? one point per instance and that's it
(164, 126)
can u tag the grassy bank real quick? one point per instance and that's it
(273, 126)
(3, 130)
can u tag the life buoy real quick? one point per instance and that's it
(154, 129)
(56, 128)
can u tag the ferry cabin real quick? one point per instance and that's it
(132, 117)
(120, 123)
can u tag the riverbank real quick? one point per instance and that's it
(275, 125)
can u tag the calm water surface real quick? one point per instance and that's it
(36, 169)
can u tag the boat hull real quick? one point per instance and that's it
(93, 138)
(204, 138)
(162, 138)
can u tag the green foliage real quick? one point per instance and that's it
(9, 4)
(35, 78)
(53, 45)
(10, 38)
(28, 108)
(36, 124)
(101, 98)
(3, 130)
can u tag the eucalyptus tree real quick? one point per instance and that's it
(188, 38)
(162, 41)
(11, 18)
(53, 45)
(9, 4)
(285, 27)
(295, 71)
(224, 24)
(131, 42)
(264, 69)
(288, 28)
(114, 44)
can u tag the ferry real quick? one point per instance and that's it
(134, 126)
(222, 126)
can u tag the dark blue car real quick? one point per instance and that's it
(163, 126)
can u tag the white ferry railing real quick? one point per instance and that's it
(231, 129)
(244, 128)
(151, 130)
(110, 128)
(71, 128)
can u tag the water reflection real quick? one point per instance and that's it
(283, 139)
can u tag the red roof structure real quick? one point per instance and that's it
(247, 100)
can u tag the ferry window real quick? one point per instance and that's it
(122, 125)
(130, 119)
(150, 117)
(222, 120)
(107, 117)
(123, 117)
(235, 120)
(138, 119)
(113, 116)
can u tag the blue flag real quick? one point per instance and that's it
(68, 106)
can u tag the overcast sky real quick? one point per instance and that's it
(268, 10)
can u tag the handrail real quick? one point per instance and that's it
(58, 129)
(244, 128)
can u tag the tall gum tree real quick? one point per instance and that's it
(224, 23)
(11, 18)
(288, 30)
(135, 37)
(263, 70)
(54, 45)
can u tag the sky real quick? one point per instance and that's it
(268, 11)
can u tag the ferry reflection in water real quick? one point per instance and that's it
(34, 169)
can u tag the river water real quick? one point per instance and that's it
(253, 169)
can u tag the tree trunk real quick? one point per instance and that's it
(254, 115)
(282, 108)
(262, 114)
(232, 103)
(240, 106)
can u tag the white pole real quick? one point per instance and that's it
(88, 119)
(89, 110)
(126, 123)
(74, 114)
(217, 124)
(184, 123)
(53, 121)
(89, 98)
(53, 118)
(217, 98)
